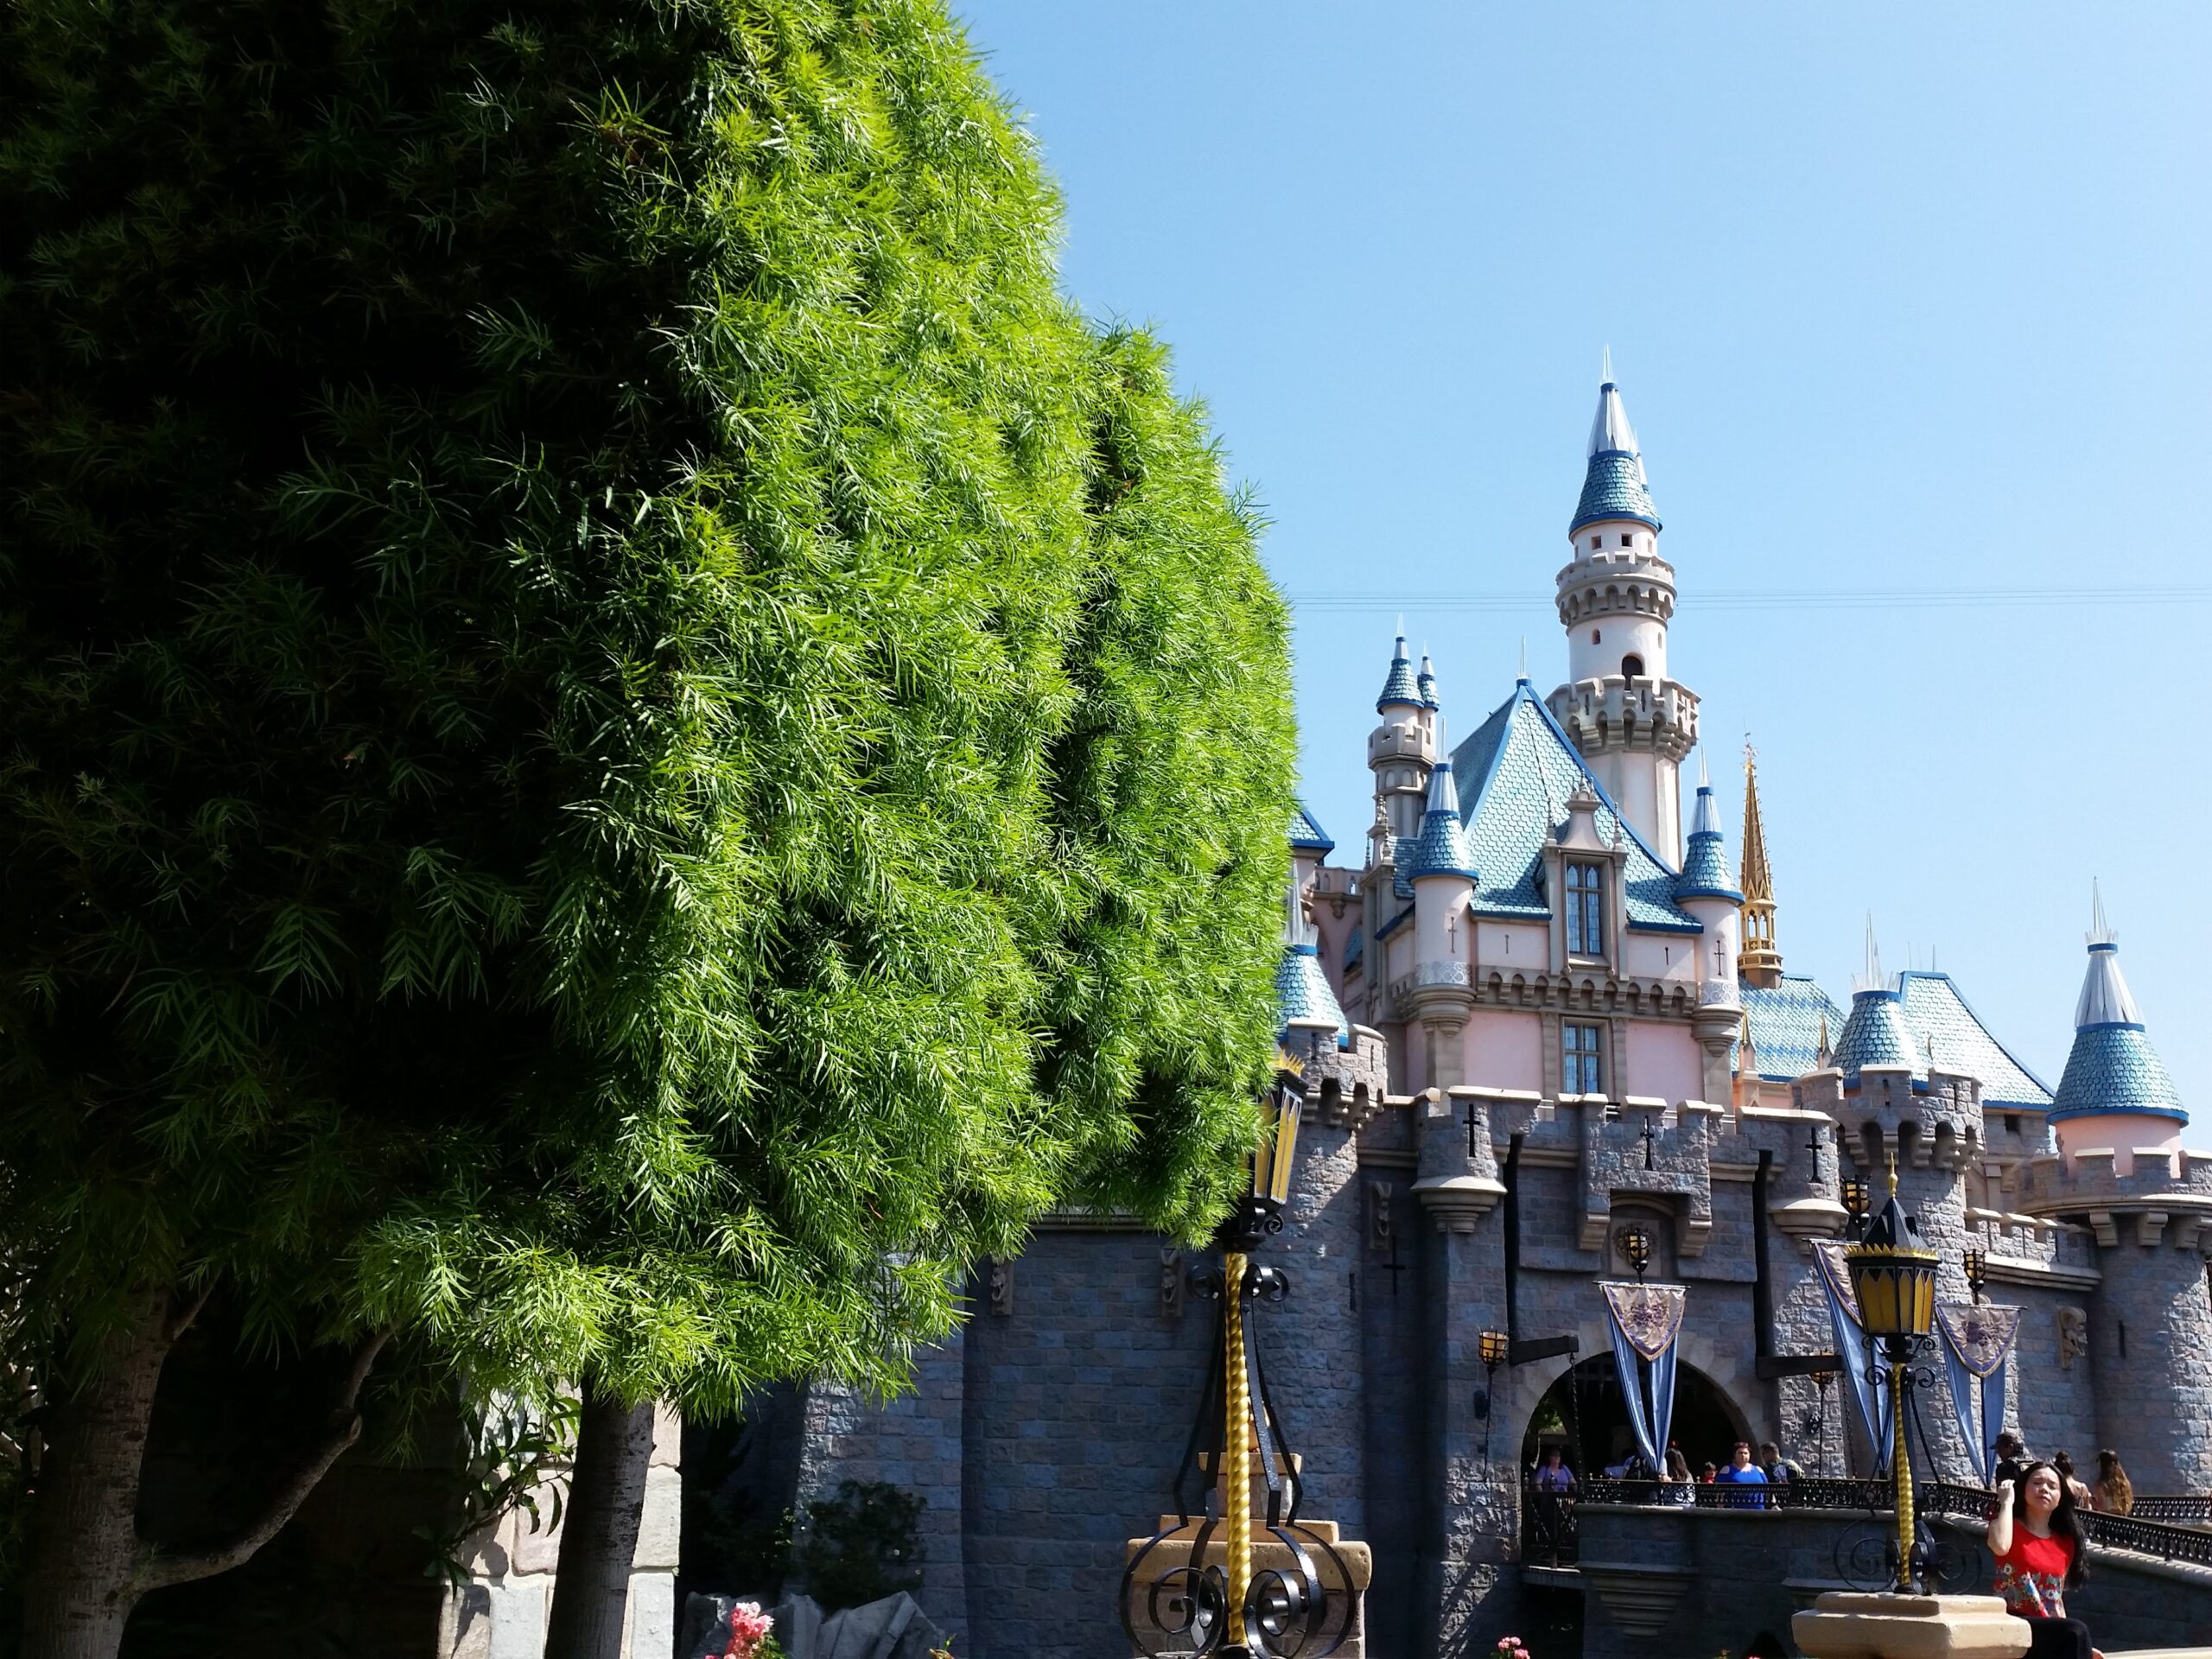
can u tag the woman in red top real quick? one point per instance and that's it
(2041, 1554)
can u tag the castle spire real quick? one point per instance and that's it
(1399, 686)
(1762, 959)
(2111, 1067)
(1632, 721)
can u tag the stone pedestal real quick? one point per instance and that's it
(1843, 1624)
(1269, 1555)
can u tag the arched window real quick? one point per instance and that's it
(1632, 666)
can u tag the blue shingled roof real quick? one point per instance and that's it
(1785, 1021)
(1705, 875)
(1305, 830)
(1519, 769)
(2113, 1068)
(1302, 991)
(1427, 682)
(1874, 1033)
(1442, 848)
(1935, 1013)
(1400, 686)
(1614, 488)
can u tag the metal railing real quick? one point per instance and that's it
(1550, 1537)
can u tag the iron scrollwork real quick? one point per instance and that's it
(1174, 1598)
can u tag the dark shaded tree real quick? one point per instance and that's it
(624, 743)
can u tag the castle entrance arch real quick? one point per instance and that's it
(1584, 1414)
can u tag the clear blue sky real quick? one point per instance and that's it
(1905, 300)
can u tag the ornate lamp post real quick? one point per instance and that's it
(1231, 1611)
(1893, 1276)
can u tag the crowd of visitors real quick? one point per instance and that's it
(2034, 1534)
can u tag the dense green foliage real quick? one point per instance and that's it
(623, 739)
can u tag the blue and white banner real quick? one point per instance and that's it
(1646, 1320)
(1977, 1350)
(1872, 1405)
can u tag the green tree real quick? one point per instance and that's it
(625, 742)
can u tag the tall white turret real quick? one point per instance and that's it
(1616, 595)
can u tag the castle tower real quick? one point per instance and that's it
(1400, 751)
(2115, 1093)
(2118, 1120)
(1762, 959)
(1706, 893)
(1616, 595)
(1440, 867)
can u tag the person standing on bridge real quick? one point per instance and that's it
(2042, 1553)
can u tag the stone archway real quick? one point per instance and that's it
(1584, 1412)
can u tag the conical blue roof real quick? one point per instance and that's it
(1442, 847)
(1613, 485)
(1875, 1034)
(1305, 831)
(1427, 681)
(1704, 867)
(1400, 687)
(1302, 992)
(2112, 1066)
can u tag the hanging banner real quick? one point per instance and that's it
(1850, 1347)
(1977, 1345)
(1645, 1320)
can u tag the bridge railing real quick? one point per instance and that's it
(1549, 1536)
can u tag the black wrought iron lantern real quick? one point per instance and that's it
(1854, 1204)
(1976, 1265)
(1637, 1244)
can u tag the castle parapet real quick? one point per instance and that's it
(2165, 1198)
(1883, 1111)
(1660, 714)
(1345, 1087)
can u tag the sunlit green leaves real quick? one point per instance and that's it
(626, 743)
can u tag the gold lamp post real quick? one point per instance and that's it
(1893, 1276)
(1258, 1213)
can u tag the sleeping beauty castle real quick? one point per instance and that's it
(1554, 1065)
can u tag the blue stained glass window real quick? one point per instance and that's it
(1582, 1070)
(1586, 911)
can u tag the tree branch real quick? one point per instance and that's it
(158, 1569)
(181, 1316)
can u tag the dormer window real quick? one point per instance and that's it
(1586, 911)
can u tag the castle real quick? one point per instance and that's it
(1535, 1017)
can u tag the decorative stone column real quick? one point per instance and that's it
(1844, 1625)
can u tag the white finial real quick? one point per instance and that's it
(1869, 978)
(2101, 930)
(1524, 656)
(1704, 771)
(1296, 929)
(1606, 374)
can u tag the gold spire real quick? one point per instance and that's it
(1759, 960)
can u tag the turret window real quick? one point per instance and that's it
(1632, 666)
(1582, 1070)
(1628, 541)
(1586, 911)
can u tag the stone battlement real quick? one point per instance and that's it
(1884, 1111)
(1600, 713)
(2182, 1179)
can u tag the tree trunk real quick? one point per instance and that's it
(599, 1527)
(84, 1542)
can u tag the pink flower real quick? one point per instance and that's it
(748, 1628)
